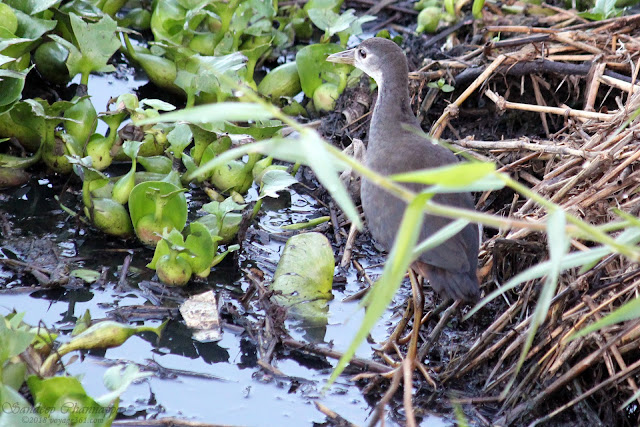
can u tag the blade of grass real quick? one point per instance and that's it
(628, 311)
(630, 236)
(558, 247)
(385, 288)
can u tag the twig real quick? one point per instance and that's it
(337, 419)
(501, 103)
(369, 365)
(439, 125)
(517, 144)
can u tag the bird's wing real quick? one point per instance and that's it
(457, 254)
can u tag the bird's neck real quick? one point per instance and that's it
(392, 112)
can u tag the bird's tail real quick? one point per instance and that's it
(463, 286)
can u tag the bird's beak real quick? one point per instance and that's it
(344, 57)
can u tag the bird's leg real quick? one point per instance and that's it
(436, 311)
(395, 336)
(410, 361)
(433, 337)
(393, 387)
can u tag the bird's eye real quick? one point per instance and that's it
(362, 53)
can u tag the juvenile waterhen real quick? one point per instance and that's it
(397, 144)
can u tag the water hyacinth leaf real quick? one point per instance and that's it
(283, 80)
(179, 138)
(329, 21)
(314, 69)
(154, 206)
(106, 334)
(117, 379)
(13, 341)
(381, 294)
(220, 209)
(221, 111)
(558, 246)
(131, 149)
(31, 7)
(171, 237)
(202, 249)
(304, 276)
(11, 86)
(6, 59)
(86, 274)
(235, 153)
(207, 71)
(157, 164)
(29, 34)
(223, 220)
(456, 175)
(97, 42)
(274, 181)
(47, 391)
(11, 398)
(332, 23)
(82, 324)
(156, 104)
(109, 216)
(123, 186)
(13, 375)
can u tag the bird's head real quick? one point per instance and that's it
(375, 56)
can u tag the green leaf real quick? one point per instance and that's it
(309, 149)
(304, 276)
(31, 7)
(455, 175)
(85, 274)
(439, 237)
(631, 236)
(628, 311)
(156, 104)
(213, 113)
(308, 224)
(11, 85)
(395, 268)
(558, 247)
(179, 138)
(202, 248)
(117, 379)
(10, 398)
(131, 148)
(476, 8)
(12, 341)
(274, 181)
(143, 201)
(97, 42)
(46, 392)
(314, 69)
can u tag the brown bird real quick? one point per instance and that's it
(396, 145)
